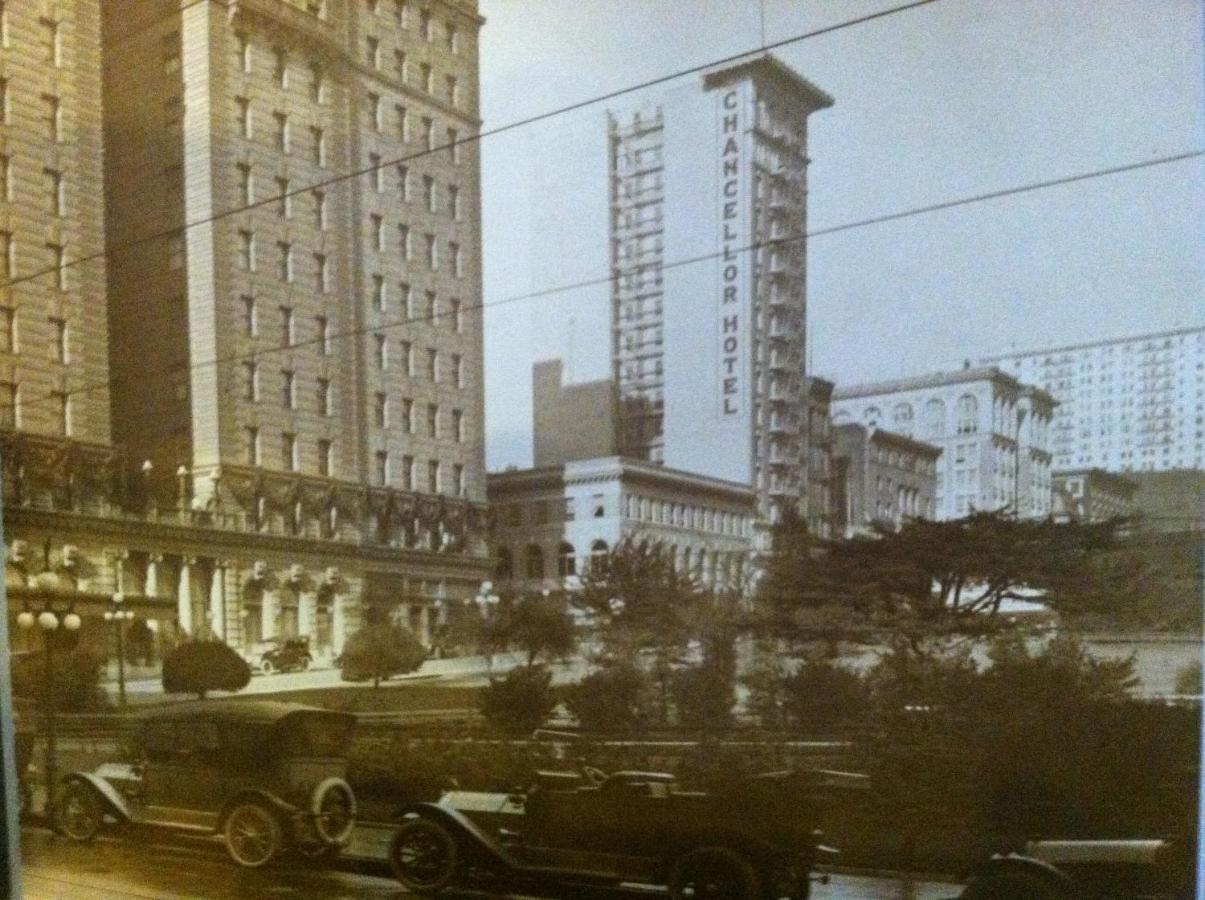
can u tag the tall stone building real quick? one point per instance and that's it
(882, 479)
(708, 358)
(295, 355)
(993, 430)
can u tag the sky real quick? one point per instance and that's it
(948, 100)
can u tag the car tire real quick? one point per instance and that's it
(424, 856)
(333, 805)
(305, 664)
(253, 833)
(1010, 885)
(716, 873)
(79, 813)
(267, 667)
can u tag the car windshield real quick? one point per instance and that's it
(315, 734)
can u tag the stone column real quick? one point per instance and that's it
(152, 574)
(184, 597)
(217, 601)
(424, 624)
(269, 611)
(307, 616)
(338, 623)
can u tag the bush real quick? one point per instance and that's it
(1189, 680)
(822, 696)
(378, 652)
(521, 701)
(614, 698)
(75, 679)
(704, 696)
(198, 667)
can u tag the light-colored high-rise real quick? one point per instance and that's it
(1133, 404)
(708, 356)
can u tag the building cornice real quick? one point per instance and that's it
(921, 382)
(1087, 345)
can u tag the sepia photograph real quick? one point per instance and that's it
(602, 449)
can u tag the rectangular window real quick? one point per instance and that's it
(408, 359)
(403, 183)
(383, 467)
(375, 175)
(250, 317)
(408, 415)
(251, 439)
(244, 52)
(432, 253)
(406, 300)
(3, 101)
(280, 71)
(288, 451)
(378, 232)
(324, 397)
(403, 232)
(425, 77)
(318, 137)
(51, 42)
(453, 90)
(373, 52)
(453, 145)
(250, 382)
(322, 280)
(317, 84)
(54, 191)
(403, 124)
(433, 364)
(458, 370)
(286, 260)
(245, 116)
(453, 38)
(432, 307)
(54, 116)
(454, 202)
(9, 405)
(408, 473)
(246, 184)
(458, 425)
(284, 201)
(429, 192)
(58, 256)
(374, 111)
(424, 24)
(8, 329)
(62, 402)
(282, 131)
(382, 411)
(428, 134)
(324, 335)
(433, 479)
(288, 331)
(325, 457)
(320, 210)
(378, 293)
(6, 177)
(382, 351)
(432, 420)
(458, 479)
(246, 251)
(454, 252)
(288, 389)
(457, 318)
(60, 351)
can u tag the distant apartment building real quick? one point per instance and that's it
(1133, 404)
(550, 522)
(570, 421)
(992, 429)
(708, 358)
(1092, 495)
(1173, 500)
(881, 478)
(818, 510)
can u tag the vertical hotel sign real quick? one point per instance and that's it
(733, 273)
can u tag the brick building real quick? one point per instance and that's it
(881, 478)
(818, 509)
(1092, 495)
(570, 421)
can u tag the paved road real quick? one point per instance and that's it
(152, 867)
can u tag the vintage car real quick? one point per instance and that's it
(285, 655)
(1089, 870)
(267, 776)
(755, 839)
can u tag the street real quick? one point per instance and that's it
(157, 867)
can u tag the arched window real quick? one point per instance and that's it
(935, 419)
(566, 562)
(901, 419)
(686, 560)
(871, 417)
(533, 561)
(842, 417)
(506, 564)
(967, 414)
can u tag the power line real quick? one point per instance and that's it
(469, 139)
(692, 260)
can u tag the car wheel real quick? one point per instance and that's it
(334, 807)
(1010, 885)
(266, 667)
(253, 835)
(79, 814)
(305, 663)
(424, 856)
(716, 873)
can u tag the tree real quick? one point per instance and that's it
(198, 667)
(75, 679)
(380, 651)
(612, 698)
(520, 701)
(539, 626)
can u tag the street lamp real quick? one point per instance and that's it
(48, 620)
(117, 615)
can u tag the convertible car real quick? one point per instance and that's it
(756, 839)
(267, 776)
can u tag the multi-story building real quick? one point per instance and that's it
(709, 357)
(570, 421)
(1127, 405)
(993, 431)
(295, 354)
(1092, 495)
(818, 478)
(550, 522)
(883, 478)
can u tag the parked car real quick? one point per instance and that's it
(267, 776)
(753, 840)
(284, 655)
(1088, 870)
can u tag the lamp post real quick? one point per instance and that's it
(118, 616)
(49, 620)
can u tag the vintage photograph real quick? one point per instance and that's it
(602, 449)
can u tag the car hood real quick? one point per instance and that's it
(481, 802)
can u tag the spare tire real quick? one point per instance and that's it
(333, 805)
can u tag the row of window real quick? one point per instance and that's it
(286, 256)
(323, 336)
(9, 260)
(685, 515)
(58, 403)
(403, 70)
(427, 24)
(51, 111)
(60, 344)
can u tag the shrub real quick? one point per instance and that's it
(198, 667)
(704, 696)
(614, 698)
(1189, 680)
(378, 652)
(75, 679)
(519, 702)
(822, 696)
